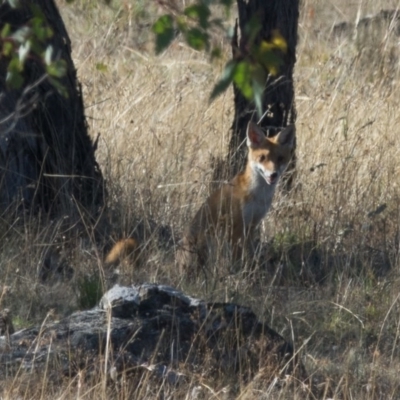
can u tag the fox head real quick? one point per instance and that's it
(269, 157)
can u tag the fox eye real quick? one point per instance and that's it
(279, 159)
(262, 158)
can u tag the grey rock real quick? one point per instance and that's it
(121, 300)
(153, 329)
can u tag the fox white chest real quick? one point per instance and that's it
(255, 209)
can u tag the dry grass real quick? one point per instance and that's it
(331, 282)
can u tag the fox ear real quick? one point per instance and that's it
(255, 135)
(286, 136)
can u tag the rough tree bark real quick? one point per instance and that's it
(278, 97)
(47, 159)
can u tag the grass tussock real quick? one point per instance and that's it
(328, 278)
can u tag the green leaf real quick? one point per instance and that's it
(39, 23)
(164, 30)
(269, 53)
(242, 79)
(6, 30)
(270, 61)
(39, 30)
(49, 32)
(48, 55)
(14, 79)
(23, 51)
(36, 47)
(8, 48)
(225, 81)
(14, 65)
(57, 68)
(101, 67)
(197, 39)
(199, 12)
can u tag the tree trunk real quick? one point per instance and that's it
(278, 97)
(47, 159)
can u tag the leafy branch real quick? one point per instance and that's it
(30, 42)
(250, 65)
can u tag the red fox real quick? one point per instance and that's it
(239, 206)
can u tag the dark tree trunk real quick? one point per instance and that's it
(47, 159)
(278, 97)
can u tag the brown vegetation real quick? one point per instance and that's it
(328, 279)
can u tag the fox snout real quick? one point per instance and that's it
(272, 178)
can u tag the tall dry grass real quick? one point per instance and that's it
(329, 280)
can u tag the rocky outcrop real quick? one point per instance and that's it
(153, 328)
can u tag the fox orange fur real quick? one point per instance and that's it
(238, 207)
(122, 250)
